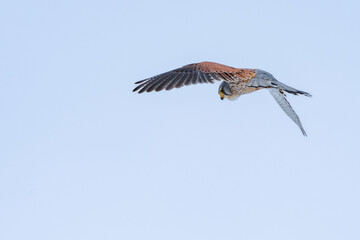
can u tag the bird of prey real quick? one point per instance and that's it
(235, 82)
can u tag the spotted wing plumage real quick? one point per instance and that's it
(204, 72)
(280, 98)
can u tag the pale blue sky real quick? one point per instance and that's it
(83, 157)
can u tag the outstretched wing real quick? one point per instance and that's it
(266, 80)
(204, 72)
(285, 105)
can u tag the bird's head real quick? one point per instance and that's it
(224, 90)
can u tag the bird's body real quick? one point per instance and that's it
(236, 82)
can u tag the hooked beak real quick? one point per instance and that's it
(222, 96)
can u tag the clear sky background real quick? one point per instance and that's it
(83, 157)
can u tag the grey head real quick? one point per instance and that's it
(224, 90)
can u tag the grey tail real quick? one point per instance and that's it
(291, 90)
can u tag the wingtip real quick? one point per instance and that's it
(139, 87)
(135, 89)
(303, 130)
(140, 81)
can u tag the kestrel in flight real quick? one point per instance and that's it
(235, 82)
